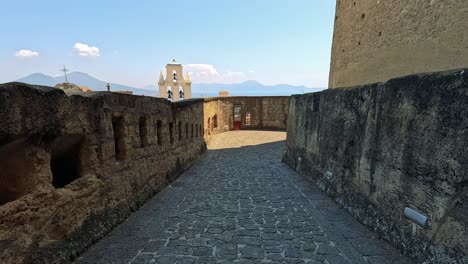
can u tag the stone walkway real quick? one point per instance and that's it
(240, 204)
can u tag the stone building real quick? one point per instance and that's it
(374, 41)
(244, 113)
(175, 84)
(223, 93)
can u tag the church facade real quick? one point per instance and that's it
(175, 87)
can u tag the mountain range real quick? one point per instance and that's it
(248, 88)
(83, 79)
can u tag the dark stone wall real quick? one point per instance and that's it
(379, 148)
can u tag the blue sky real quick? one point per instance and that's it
(128, 42)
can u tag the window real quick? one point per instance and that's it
(171, 132)
(119, 138)
(180, 131)
(186, 130)
(247, 119)
(65, 164)
(159, 132)
(215, 121)
(16, 171)
(142, 131)
(237, 113)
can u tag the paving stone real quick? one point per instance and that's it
(154, 245)
(309, 246)
(252, 252)
(202, 251)
(186, 260)
(325, 249)
(271, 236)
(273, 249)
(320, 239)
(177, 242)
(226, 236)
(251, 233)
(292, 252)
(177, 250)
(272, 242)
(226, 249)
(166, 259)
(336, 259)
(275, 257)
(143, 258)
(199, 242)
(206, 260)
(247, 240)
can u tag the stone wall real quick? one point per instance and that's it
(379, 148)
(73, 167)
(374, 41)
(266, 112)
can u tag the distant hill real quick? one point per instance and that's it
(248, 88)
(83, 79)
(40, 79)
(251, 88)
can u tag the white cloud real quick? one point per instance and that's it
(26, 53)
(251, 71)
(232, 74)
(201, 69)
(85, 50)
(202, 73)
(207, 73)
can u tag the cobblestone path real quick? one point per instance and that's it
(240, 204)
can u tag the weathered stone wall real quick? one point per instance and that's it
(74, 167)
(374, 41)
(379, 148)
(266, 112)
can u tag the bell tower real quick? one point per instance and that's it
(175, 87)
